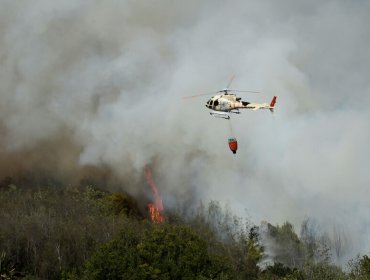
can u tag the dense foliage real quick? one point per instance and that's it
(160, 252)
(74, 233)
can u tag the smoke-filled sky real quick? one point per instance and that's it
(98, 84)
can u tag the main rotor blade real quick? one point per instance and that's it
(244, 91)
(198, 95)
(231, 79)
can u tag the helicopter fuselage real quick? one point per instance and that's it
(229, 102)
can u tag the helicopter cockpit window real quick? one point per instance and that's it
(216, 102)
(211, 103)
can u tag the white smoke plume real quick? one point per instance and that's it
(98, 84)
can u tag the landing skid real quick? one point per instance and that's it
(221, 115)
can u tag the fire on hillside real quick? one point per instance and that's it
(156, 208)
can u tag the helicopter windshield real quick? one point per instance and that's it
(208, 104)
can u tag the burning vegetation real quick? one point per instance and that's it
(85, 233)
(155, 209)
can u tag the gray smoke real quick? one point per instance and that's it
(92, 84)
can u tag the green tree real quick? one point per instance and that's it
(118, 259)
(229, 235)
(322, 270)
(124, 204)
(50, 230)
(360, 268)
(159, 252)
(280, 271)
(288, 248)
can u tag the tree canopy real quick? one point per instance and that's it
(86, 233)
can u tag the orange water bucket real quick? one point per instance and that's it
(233, 145)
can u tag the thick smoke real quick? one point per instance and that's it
(92, 87)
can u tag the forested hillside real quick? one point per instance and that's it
(85, 233)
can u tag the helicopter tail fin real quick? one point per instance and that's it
(272, 104)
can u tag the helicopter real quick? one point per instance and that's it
(226, 102)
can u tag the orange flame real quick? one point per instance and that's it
(155, 215)
(156, 208)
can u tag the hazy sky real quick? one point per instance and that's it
(99, 83)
